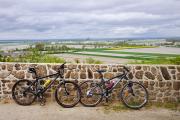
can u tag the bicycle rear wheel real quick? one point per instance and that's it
(67, 94)
(134, 95)
(91, 93)
(23, 93)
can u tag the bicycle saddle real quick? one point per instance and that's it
(101, 71)
(32, 70)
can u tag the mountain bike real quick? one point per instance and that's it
(25, 92)
(133, 94)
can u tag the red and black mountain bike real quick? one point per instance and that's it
(133, 94)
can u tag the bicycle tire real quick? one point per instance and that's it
(61, 102)
(137, 107)
(14, 93)
(93, 104)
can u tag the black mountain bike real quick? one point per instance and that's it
(25, 92)
(133, 94)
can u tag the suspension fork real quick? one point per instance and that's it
(67, 93)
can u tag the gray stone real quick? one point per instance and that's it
(153, 70)
(72, 66)
(90, 74)
(159, 95)
(178, 68)
(3, 67)
(130, 75)
(149, 75)
(161, 84)
(178, 76)
(9, 67)
(165, 73)
(67, 75)
(17, 66)
(108, 75)
(145, 84)
(138, 67)
(171, 67)
(173, 71)
(159, 77)
(139, 74)
(82, 75)
(96, 76)
(176, 85)
(74, 75)
(19, 75)
(168, 84)
(4, 74)
(41, 70)
(167, 93)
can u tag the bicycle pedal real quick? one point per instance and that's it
(42, 102)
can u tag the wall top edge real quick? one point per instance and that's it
(90, 64)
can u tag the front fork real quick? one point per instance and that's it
(66, 91)
(130, 89)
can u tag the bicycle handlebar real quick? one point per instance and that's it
(62, 66)
(126, 69)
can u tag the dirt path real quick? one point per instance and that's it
(82, 58)
(52, 111)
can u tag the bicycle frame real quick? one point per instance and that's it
(120, 78)
(38, 79)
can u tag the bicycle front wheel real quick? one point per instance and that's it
(23, 92)
(91, 93)
(67, 94)
(134, 95)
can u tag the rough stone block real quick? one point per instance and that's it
(176, 85)
(108, 75)
(149, 75)
(83, 75)
(165, 73)
(139, 74)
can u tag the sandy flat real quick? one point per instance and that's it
(161, 50)
(82, 58)
(12, 47)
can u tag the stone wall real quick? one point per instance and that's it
(162, 81)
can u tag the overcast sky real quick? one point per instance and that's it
(51, 19)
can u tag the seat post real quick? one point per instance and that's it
(101, 75)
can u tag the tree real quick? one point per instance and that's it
(40, 46)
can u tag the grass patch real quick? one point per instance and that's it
(115, 107)
(93, 61)
(161, 60)
(171, 106)
(33, 56)
(121, 107)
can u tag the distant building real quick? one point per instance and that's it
(150, 42)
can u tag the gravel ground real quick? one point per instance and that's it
(52, 111)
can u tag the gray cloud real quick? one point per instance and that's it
(88, 18)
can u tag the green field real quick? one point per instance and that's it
(137, 57)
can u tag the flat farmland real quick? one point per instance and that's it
(128, 55)
(160, 50)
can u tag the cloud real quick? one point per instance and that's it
(36, 19)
